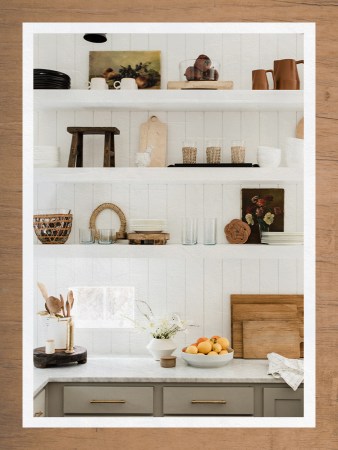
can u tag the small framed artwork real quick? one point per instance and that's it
(143, 66)
(264, 207)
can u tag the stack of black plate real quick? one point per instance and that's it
(50, 79)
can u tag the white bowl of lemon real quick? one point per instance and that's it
(205, 352)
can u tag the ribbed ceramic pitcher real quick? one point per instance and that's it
(285, 74)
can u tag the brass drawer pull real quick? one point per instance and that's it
(107, 401)
(38, 414)
(213, 402)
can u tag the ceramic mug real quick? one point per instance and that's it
(268, 156)
(98, 84)
(126, 83)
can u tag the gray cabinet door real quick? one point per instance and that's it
(283, 402)
(39, 405)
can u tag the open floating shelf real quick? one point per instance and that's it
(123, 250)
(172, 175)
(169, 100)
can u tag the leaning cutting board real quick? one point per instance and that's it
(252, 307)
(153, 134)
(300, 129)
(261, 337)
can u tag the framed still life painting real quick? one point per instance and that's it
(263, 207)
(143, 66)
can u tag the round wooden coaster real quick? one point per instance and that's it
(237, 231)
(59, 358)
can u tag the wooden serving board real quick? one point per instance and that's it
(148, 238)
(263, 307)
(222, 85)
(153, 134)
(261, 337)
(59, 358)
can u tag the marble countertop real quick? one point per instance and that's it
(145, 369)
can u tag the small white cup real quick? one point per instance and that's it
(126, 83)
(50, 347)
(268, 156)
(98, 84)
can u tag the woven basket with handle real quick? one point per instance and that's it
(52, 228)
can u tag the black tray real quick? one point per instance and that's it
(215, 165)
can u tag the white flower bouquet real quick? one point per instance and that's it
(164, 327)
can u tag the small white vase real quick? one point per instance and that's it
(161, 347)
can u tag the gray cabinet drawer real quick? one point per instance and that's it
(283, 402)
(107, 400)
(208, 400)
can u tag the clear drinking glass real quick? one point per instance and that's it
(237, 152)
(209, 231)
(105, 236)
(189, 151)
(189, 231)
(214, 150)
(86, 236)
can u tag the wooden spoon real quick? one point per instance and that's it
(70, 298)
(62, 305)
(43, 291)
(67, 308)
(54, 305)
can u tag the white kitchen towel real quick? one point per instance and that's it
(291, 370)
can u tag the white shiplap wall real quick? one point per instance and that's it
(198, 289)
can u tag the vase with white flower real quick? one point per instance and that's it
(162, 330)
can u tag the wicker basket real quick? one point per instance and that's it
(52, 228)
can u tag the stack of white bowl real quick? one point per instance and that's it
(46, 156)
(148, 225)
(282, 238)
(268, 156)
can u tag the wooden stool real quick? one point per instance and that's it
(76, 148)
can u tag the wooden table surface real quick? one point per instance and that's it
(325, 14)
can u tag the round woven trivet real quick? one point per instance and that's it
(237, 231)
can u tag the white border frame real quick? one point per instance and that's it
(29, 29)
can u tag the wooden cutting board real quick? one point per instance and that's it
(300, 129)
(268, 311)
(153, 134)
(263, 337)
(220, 85)
(263, 307)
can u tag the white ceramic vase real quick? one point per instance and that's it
(161, 347)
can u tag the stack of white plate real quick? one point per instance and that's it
(147, 225)
(46, 156)
(282, 238)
